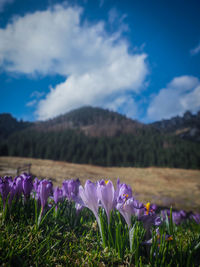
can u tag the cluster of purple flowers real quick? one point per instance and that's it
(92, 196)
(181, 216)
(103, 194)
(14, 188)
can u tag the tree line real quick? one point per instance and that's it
(149, 148)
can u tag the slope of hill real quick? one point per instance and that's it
(101, 137)
(9, 125)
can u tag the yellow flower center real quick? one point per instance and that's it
(106, 181)
(170, 238)
(147, 206)
(125, 195)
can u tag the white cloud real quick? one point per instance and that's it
(37, 94)
(125, 104)
(97, 66)
(95, 87)
(180, 95)
(195, 50)
(3, 3)
(31, 103)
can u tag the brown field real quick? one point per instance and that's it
(163, 186)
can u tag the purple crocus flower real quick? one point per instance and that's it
(148, 221)
(18, 185)
(35, 188)
(177, 216)
(122, 191)
(4, 189)
(57, 195)
(27, 186)
(183, 214)
(36, 184)
(153, 208)
(15, 188)
(106, 194)
(195, 217)
(44, 191)
(150, 208)
(8, 179)
(125, 191)
(139, 208)
(126, 208)
(71, 189)
(89, 198)
(24, 175)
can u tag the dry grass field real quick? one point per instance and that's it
(163, 186)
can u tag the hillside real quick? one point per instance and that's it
(101, 137)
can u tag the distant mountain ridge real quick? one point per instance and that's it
(98, 122)
(103, 137)
(186, 127)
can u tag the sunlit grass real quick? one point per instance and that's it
(68, 238)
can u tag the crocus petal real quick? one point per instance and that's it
(106, 194)
(89, 197)
(126, 208)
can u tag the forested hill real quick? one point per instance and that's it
(92, 122)
(101, 137)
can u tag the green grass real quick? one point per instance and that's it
(66, 238)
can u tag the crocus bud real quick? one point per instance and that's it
(27, 186)
(44, 191)
(57, 195)
(71, 189)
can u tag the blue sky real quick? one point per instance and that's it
(140, 57)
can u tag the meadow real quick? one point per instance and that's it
(93, 224)
(165, 187)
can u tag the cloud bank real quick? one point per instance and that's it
(98, 67)
(180, 95)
